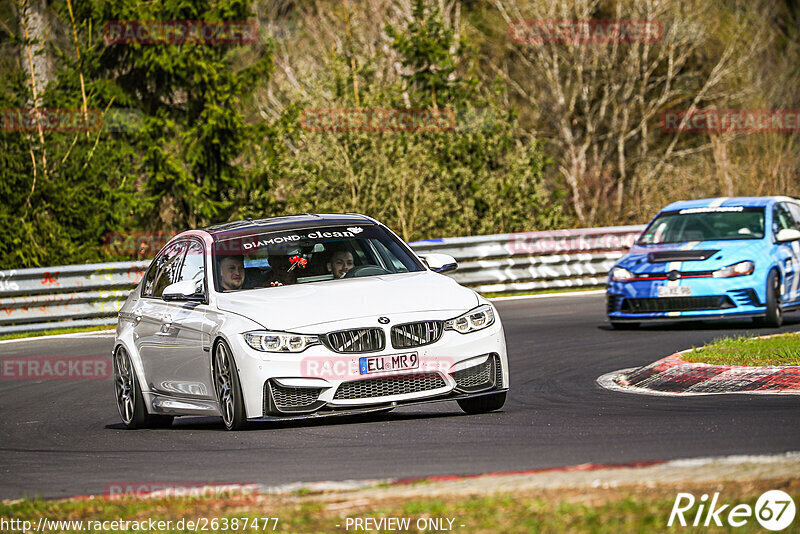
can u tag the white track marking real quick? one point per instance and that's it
(546, 295)
(93, 333)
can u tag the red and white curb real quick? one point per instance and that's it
(674, 376)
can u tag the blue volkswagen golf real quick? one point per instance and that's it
(711, 259)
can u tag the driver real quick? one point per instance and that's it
(340, 262)
(231, 272)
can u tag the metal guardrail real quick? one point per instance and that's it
(87, 295)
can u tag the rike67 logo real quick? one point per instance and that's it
(774, 510)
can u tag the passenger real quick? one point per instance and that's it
(341, 261)
(231, 272)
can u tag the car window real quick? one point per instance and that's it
(314, 255)
(782, 218)
(705, 224)
(194, 265)
(167, 269)
(794, 209)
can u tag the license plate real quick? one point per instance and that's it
(674, 291)
(383, 364)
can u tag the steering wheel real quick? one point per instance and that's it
(365, 270)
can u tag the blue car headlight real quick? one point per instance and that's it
(279, 341)
(472, 321)
(743, 268)
(620, 274)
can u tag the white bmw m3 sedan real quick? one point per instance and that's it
(302, 316)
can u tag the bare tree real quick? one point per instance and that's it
(599, 103)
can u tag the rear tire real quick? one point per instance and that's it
(483, 404)
(774, 315)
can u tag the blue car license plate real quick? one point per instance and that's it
(383, 364)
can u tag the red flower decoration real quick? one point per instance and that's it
(297, 260)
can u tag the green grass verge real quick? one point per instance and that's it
(542, 291)
(580, 510)
(56, 331)
(782, 349)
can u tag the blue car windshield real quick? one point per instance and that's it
(705, 224)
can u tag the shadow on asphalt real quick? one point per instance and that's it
(215, 423)
(726, 324)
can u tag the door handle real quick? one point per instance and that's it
(166, 323)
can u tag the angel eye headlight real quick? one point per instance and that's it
(279, 341)
(472, 321)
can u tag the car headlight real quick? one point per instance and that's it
(472, 321)
(743, 268)
(279, 341)
(620, 274)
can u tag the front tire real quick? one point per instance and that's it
(774, 314)
(228, 388)
(128, 393)
(483, 404)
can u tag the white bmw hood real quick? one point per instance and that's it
(289, 308)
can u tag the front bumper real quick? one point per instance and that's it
(711, 298)
(320, 381)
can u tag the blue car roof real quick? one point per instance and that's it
(724, 202)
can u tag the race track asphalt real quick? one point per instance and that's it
(63, 438)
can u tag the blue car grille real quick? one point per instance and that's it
(670, 304)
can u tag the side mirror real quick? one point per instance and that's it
(787, 234)
(184, 290)
(440, 263)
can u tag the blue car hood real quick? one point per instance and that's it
(639, 258)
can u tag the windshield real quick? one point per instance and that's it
(705, 224)
(309, 255)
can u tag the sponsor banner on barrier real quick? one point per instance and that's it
(55, 368)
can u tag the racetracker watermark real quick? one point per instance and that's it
(207, 32)
(568, 242)
(774, 510)
(71, 120)
(196, 491)
(136, 243)
(590, 31)
(401, 366)
(731, 120)
(55, 368)
(378, 120)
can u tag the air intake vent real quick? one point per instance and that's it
(290, 400)
(668, 304)
(480, 377)
(356, 341)
(410, 335)
(680, 255)
(384, 387)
